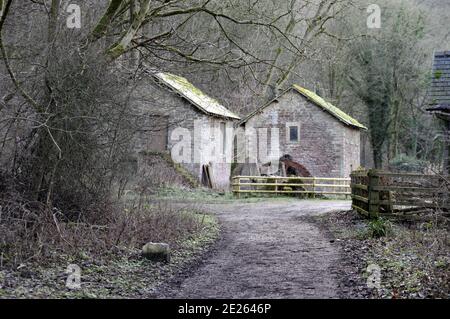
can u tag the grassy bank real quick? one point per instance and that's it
(204, 195)
(118, 274)
(413, 257)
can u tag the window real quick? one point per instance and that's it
(293, 133)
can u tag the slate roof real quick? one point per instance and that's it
(317, 100)
(194, 95)
(439, 93)
(441, 109)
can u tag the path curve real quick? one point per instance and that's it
(268, 250)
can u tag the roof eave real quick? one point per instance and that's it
(257, 111)
(206, 112)
(176, 91)
(360, 127)
(340, 118)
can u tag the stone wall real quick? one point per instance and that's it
(366, 151)
(163, 110)
(326, 146)
(352, 150)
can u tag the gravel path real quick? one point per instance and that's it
(268, 250)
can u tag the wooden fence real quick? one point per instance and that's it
(375, 192)
(290, 185)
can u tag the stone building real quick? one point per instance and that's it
(180, 120)
(312, 132)
(439, 99)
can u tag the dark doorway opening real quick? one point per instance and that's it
(206, 176)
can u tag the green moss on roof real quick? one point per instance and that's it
(186, 84)
(327, 106)
(195, 96)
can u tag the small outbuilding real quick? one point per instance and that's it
(439, 98)
(313, 133)
(179, 120)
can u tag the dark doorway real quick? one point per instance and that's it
(206, 176)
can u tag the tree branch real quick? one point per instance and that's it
(119, 48)
(5, 10)
(101, 27)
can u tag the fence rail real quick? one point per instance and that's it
(375, 192)
(290, 185)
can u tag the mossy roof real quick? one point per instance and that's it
(194, 95)
(317, 100)
(330, 108)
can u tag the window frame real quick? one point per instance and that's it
(290, 125)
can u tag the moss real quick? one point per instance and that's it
(116, 50)
(100, 28)
(204, 101)
(187, 85)
(438, 74)
(329, 107)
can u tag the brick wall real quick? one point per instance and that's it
(326, 146)
(352, 150)
(151, 100)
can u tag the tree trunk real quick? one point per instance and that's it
(102, 25)
(119, 48)
(377, 158)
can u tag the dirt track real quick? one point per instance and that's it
(268, 250)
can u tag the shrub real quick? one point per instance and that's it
(405, 163)
(379, 227)
(30, 231)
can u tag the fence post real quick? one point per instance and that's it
(374, 195)
(351, 187)
(352, 192)
(276, 187)
(346, 196)
(236, 186)
(314, 187)
(239, 188)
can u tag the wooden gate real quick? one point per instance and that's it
(290, 185)
(376, 192)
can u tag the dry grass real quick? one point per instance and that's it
(413, 256)
(29, 232)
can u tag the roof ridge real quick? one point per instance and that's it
(194, 95)
(329, 107)
(333, 110)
